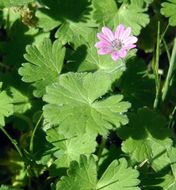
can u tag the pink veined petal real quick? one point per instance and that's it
(103, 37)
(106, 31)
(126, 34)
(122, 53)
(102, 44)
(115, 56)
(103, 51)
(130, 40)
(119, 31)
(130, 46)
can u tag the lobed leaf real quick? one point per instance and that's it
(168, 10)
(75, 103)
(70, 148)
(44, 65)
(83, 176)
(143, 141)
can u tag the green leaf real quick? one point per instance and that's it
(72, 23)
(75, 103)
(6, 107)
(65, 146)
(86, 58)
(83, 176)
(4, 187)
(128, 14)
(44, 65)
(168, 10)
(20, 101)
(143, 141)
(14, 3)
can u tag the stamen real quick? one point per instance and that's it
(117, 44)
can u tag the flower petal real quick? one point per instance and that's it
(103, 51)
(126, 34)
(130, 46)
(106, 31)
(103, 37)
(102, 44)
(130, 40)
(122, 53)
(119, 31)
(115, 56)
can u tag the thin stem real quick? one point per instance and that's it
(31, 147)
(170, 72)
(13, 141)
(172, 117)
(167, 50)
(163, 34)
(156, 68)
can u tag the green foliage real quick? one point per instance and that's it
(106, 12)
(4, 187)
(83, 175)
(168, 10)
(47, 57)
(65, 146)
(6, 106)
(72, 119)
(14, 3)
(143, 140)
(83, 92)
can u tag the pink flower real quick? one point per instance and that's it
(117, 44)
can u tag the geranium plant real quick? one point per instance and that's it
(87, 95)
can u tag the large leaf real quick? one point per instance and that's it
(143, 141)
(75, 103)
(129, 14)
(168, 10)
(83, 176)
(70, 148)
(44, 65)
(6, 107)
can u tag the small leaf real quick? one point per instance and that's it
(44, 65)
(75, 103)
(168, 10)
(6, 107)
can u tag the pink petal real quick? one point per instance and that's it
(122, 53)
(102, 44)
(103, 37)
(130, 40)
(103, 51)
(126, 33)
(115, 56)
(130, 46)
(119, 31)
(106, 31)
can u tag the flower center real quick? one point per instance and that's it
(117, 44)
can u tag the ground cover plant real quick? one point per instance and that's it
(87, 95)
